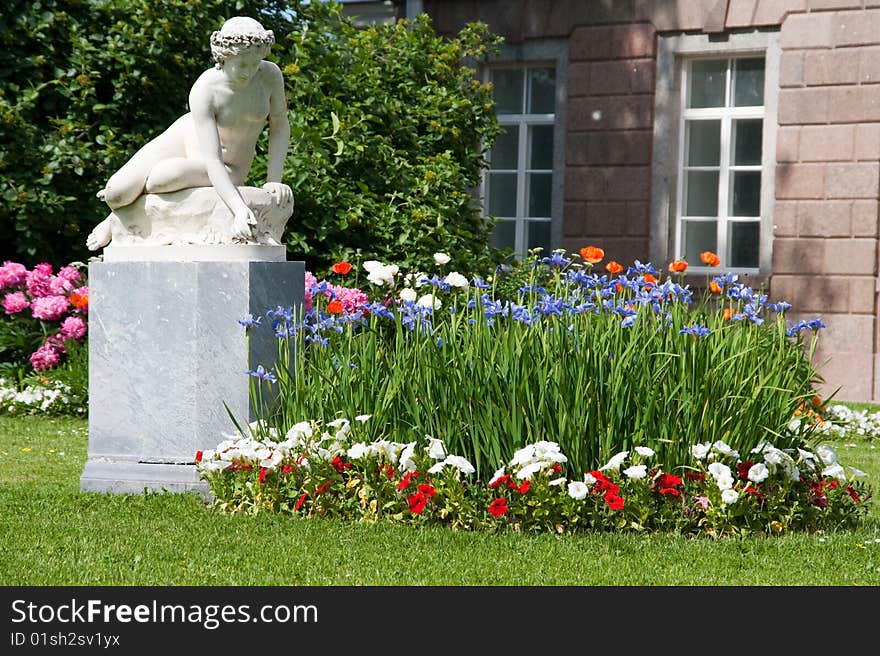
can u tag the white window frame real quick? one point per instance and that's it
(547, 53)
(674, 54)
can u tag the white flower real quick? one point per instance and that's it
(530, 470)
(725, 450)
(589, 479)
(827, 454)
(636, 472)
(761, 447)
(724, 483)
(272, 460)
(719, 470)
(362, 418)
(545, 450)
(498, 474)
(441, 258)
(699, 451)
(615, 461)
(729, 496)
(557, 481)
(380, 273)
(406, 462)
(645, 451)
(758, 473)
(461, 464)
(578, 490)
(357, 450)
(455, 279)
(436, 450)
(523, 456)
(835, 471)
(430, 301)
(408, 295)
(436, 468)
(299, 431)
(342, 421)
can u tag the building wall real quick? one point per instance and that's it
(825, 242)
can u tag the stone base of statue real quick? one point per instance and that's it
(166, 352)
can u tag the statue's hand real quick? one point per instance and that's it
(242, 221)
(280, 191)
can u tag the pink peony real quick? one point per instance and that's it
(15, 302)
(48, 355)
(310, 282)
(73, 328)
(70, 273)
(38, 280)
(12, 274)
(352, 299)
(50, 308)
(59, 286)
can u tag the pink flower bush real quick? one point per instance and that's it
(15, 302)
(60, 299)
(352, 299)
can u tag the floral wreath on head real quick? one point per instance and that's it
(224, 45)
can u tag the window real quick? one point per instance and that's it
(519, 183)
(719, 181)
(713, 186)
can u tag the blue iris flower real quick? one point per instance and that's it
(261, 373)
(696, 330)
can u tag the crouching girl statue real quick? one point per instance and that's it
(213, 145)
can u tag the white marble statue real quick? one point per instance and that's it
(185, 186)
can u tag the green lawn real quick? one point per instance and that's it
(53, 534)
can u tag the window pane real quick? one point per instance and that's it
(746, 197)
(538, 235)
(747, 142)
(704, 143)
(540, 194)
(541, 156)
(748, 82)
(505, 152)
(702, 193)
(502, 194)
(699, 236)
(504, 235)
(542, 91)
(707, 83)
(508, 91)
(744, 240)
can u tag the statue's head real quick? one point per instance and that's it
(237, 35)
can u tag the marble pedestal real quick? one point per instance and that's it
(166, 352)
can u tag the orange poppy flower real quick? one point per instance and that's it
(78, 300)
(341, 268)
(334, 307)
(613, 267)
(678, 266)
(714, 287)
(592, 254)
(710, 259)
(727, 314)
(650, 279)
(619, 288)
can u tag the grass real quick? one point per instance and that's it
(53, 534)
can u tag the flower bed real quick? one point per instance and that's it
(329, 471)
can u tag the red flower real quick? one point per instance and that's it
(743, 469)
(668, 480)
(695, 476)
(339, 464)
(678, 266)
(820, 500)
(500, 481)
(556, 468)
(301, 501)
(263, 472)
(710, 259)
(614, 501)
(79, 300)
(498, 507)
(417, 503)
(669, 490)
(524, 486)
(650, 279)
(613, 267)
(852, 493)
(287, 469)
(323, 487)
(389, 471)
(404, 482)
(341, 268)
(754, 492)
(198, 456)
(833, 484)
(427, 490)
(334, 307)
(592, 254)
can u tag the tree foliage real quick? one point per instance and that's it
(388, 126)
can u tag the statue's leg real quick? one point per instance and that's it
(124, 186)
(176, 173)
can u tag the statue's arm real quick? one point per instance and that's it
(209, 145)
(279, 129)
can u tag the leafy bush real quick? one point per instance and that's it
(388, 126)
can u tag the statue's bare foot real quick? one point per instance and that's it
(100, 236)
(241, 229)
